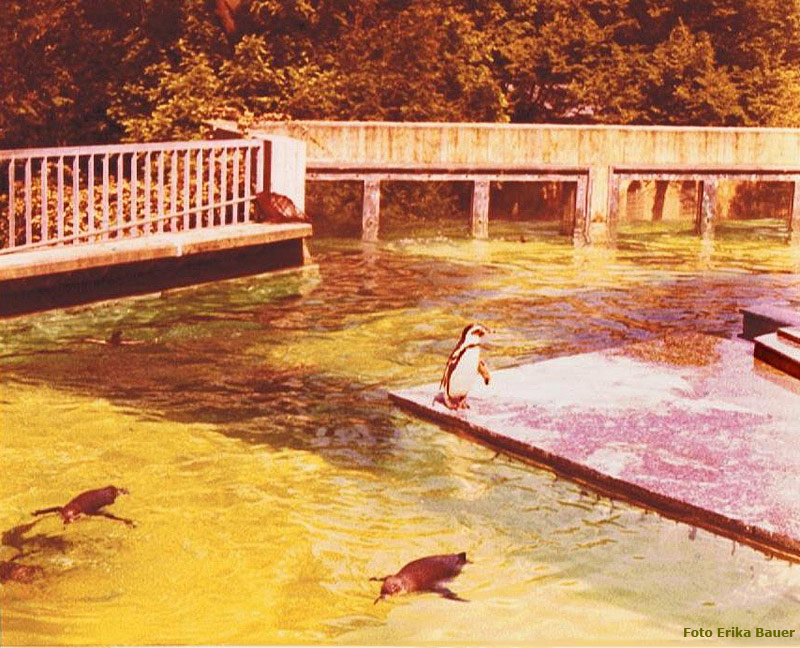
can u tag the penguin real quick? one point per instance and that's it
(12, 571)
(89, 503)
(277, 208)
(115, 339)
(463, 366)
(424, 575)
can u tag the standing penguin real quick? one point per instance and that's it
(463, 367)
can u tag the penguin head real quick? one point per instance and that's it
(68, 515)
(474, 333)
(391, 586)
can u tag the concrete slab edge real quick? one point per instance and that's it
(772, 544)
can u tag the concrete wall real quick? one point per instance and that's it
(434, 143)
(599, 147)
(287, 168)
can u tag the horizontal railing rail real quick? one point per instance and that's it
(77, 195)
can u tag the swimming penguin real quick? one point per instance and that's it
(425, 575)
(463, 366)
(115, 339)
(89, 503)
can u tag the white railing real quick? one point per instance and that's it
(77, 195)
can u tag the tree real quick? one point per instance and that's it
(57, 62)
(82, 71)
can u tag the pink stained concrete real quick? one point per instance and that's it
(689, 425)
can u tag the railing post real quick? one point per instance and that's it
(370, 215)
(480, 209)
(76, 216)
(28, 203)
(60, 199)
(248, 166)
(148, 186)
(134, 193)
(120, 213)
(45, 223)
(12, 216)
(90, 197)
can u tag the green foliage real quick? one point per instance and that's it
(81, 71)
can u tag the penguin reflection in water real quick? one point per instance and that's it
(425, 575)
(463, 367)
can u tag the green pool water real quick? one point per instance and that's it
(270, 476)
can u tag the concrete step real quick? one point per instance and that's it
(760, 320)
(791, 334)
(780, 350)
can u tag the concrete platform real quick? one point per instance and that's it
(689, 425)
(68, 275)
(760, 320)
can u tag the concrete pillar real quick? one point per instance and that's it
(567, 192)
(285, 168)
(613, 205)
(687, 200)
(660, 199)
(370, 214)
(580, 234)
(706, 207)
(597, 199)
(634, 201)
(794, 215)
(480, 209)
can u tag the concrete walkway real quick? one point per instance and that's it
(62, 276)
(68, 258)
(689, 425)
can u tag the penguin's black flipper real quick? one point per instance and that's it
(448, 594)
(45, 511)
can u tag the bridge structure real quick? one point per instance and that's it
(597, 158)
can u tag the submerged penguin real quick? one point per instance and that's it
(463, 367)
(425, 575)
(115, 339)
(89, 503)
(13, 571)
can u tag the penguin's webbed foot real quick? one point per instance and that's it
(483, 370)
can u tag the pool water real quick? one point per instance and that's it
(270, 477)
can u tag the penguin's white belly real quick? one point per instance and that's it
(463, 376)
